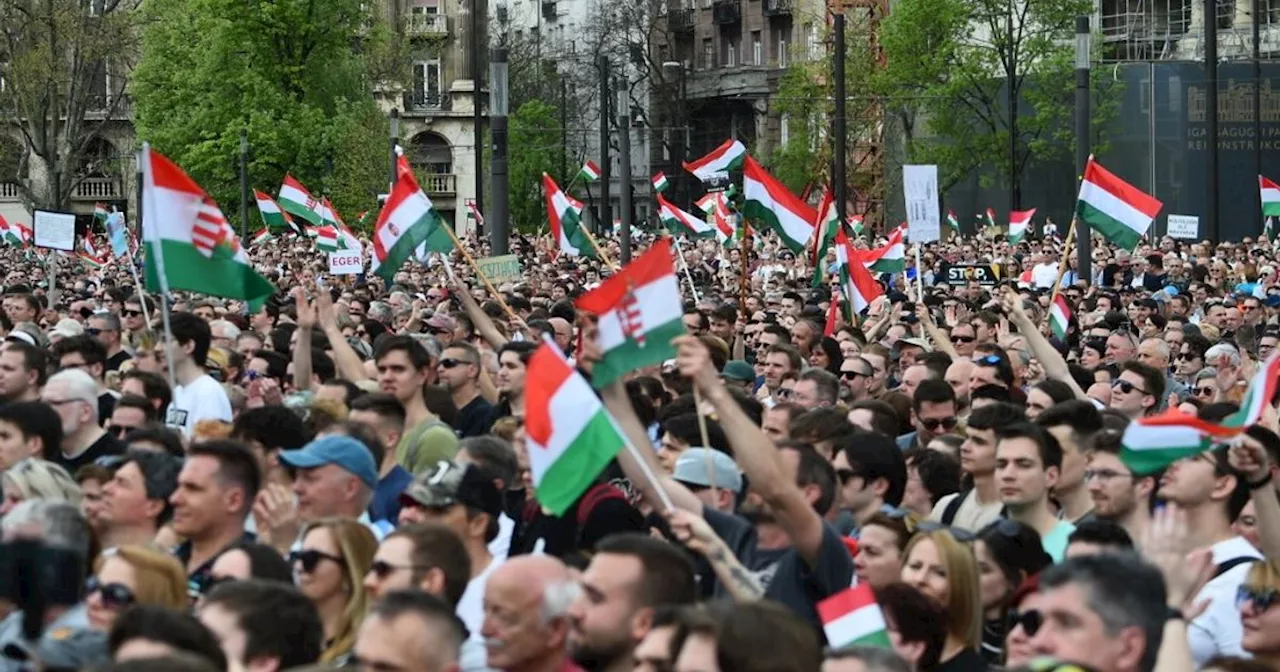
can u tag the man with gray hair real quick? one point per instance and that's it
(816, 388)
(410, 630)
(74, 395)
(1222, 354)
(65, 639)
(1106, 612)
(526, 614)
(223, 334)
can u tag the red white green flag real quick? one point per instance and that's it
(659, 182)
(1151, 444)
(100, 212)
(1260, 394)
(262, 236)
(1115, 208)
(726, 157)
(770, 202)
(825, 227)
(272, 214)
(1270, 192)
(679, 221)
(952, 221)
(327, 238)
(1059, 317)
(408, 220)
(590, 172)
(856, 283)
(722, 219)
(852, 618)
(1019, 222)
(639, 311)
(570, 435)
(295, 198)
(889, 258)
(564, 213)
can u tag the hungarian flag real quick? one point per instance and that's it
(565, 216)
(408, 220)
(826, 226)
(679, 221)
(474, 213)
(722, 219)
(1118, 210)
(362, 219)
(190, 246)
(1261, 393)
(590, 172)
(571, 438)
(890, 258)
(1270, 197)
(100, 212)
(92, 261)
(707, 203)
(272, 215)
(296, 199)
(346, 239)
(851, 617)
(640, 312)
(991, 217)
(327, 238)
(728, 156)
(262, 236)
(1059, 317)
(952, 221)
(9, 232)
(1019, 221)
(659, 181)
(859, 288)
(1151, 444)
(855, 224)
(88, 246)
(770, 202)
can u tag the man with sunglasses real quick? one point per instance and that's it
(105, 327)
(136, 329)
(933, 412)
(1138, 390)
(855, 375)
(459, 369)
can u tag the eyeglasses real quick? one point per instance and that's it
(1204, 391)
(450, 362)
(1261, 599)
(963, 339)
(1104, 475)
(132, 313)
(932, 424)
(853, 375)
(1126, 387)
(1188, 356)
(382, 569)
(92, 331)
(310, 559)
(114, 595)
(1030, 620)
(784, 393)
(119, 430)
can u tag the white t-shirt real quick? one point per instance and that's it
(471, 611)
(500, 547)
(203, 399)
(1217, 631)
(1043, 274)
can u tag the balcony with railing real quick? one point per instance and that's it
(426, 25)
(726, 12)
(680, 20)
(777, 7)
(424, 101)
(9, 192)
(440, 184)
(97, 189)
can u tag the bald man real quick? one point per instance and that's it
(526, 624)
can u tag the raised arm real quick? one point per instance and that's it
(483, 324)
(1054, 365)
(302, 352)
(754, 452)
(1251, 459)
(345, 359)
(939, 336)
(619, 405)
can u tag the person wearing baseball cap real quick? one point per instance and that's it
(740, 373)
(712, 476)
(336, 476)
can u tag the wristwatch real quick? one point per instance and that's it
(1173, 614)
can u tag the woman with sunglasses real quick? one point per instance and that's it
(1259, 601)
(129, 575)
(1008, 553)
(942, 567)
(329, 569)
(1024, 622)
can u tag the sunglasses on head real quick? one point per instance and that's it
(989, 360)
(1030, 620)
(310, 559)
(450, 362)
(1261, 599)
(932, 424)
(114, 595)
(1127, 387)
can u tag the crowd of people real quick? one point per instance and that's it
(340, 477)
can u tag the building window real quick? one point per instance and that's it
(730, 53)
(426, 85)
(708, 53)
(813, 41)
(757, 48)
(784, 129)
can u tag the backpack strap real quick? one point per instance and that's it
(1227, 566)
(953, 506)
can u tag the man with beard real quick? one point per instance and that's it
(629, 577)
(1118, 494)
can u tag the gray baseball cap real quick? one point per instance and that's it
(691, 469)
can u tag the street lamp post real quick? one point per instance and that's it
(498, 165)
(675, 69)
(1083, 238)
(395, 141)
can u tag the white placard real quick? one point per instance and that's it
(920, 188)
(1183, 226)
(346, 262)
(55, 230)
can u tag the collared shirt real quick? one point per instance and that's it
(1217, 631)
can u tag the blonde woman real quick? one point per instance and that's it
(1259, 600)
(329, 569)
(129, 575)
(33, 478)
(945, 569)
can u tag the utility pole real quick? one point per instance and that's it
(1211, 81)
(244, 184)
(624, 166)
(1011, 73)
(838, 136)
(564, 130)
(1257, 96)
(395, 141)
(477, 114)
(498, 231)
(605, 221)
(1084, 238)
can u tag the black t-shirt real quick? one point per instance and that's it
(786, 577)
(106, 406)
(562, 536)
(967, 660)
(474, 418)
(103, 447)
(114, 361)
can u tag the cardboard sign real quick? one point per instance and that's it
(346, 262)
(1183, 226)
(962, 274)
(500, 269)
(920, 190)
(55, 230)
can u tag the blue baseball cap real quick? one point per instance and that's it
(343, 451)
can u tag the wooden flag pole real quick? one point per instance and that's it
(1062, 266)
(483, 278)
(592, 239)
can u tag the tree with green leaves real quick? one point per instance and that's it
(535, 148)
(62, 63)
(297, 75)
(951, 66)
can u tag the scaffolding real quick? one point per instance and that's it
(1159, 30)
